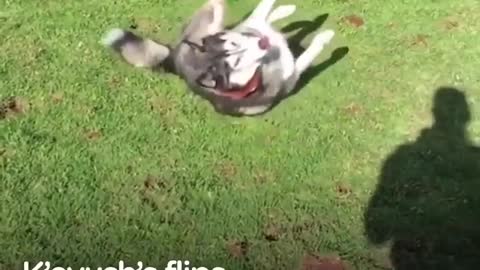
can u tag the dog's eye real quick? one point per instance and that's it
(237, 62)
(247, 34)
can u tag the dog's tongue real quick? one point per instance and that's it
(246, 90)
(264, 43)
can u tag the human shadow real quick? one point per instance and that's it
(427, 202)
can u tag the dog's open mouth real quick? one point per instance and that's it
(255, 82)
(248, 89)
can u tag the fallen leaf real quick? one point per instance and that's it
(450, 24)
(343, 189)
(150, 183)
(57, 97)
(322, 263)
(161, 105)
(144, 23)
(272, 233)
(13, 106)
(420, 40)
(93, 135)
(263, 177)
(7, 153)
(237, 249)
(227, 169)
(354, 20)
(114, 81)
(353, 109)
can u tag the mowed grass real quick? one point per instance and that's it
(110, 163)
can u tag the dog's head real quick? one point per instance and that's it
(238, 50)
(231, 52)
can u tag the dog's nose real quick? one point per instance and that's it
(264, 43)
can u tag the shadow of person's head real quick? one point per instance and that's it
(450, 110)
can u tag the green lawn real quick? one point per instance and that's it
(105, 162)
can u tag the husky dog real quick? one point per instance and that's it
(242, 71)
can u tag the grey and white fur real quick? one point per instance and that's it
(203, 56)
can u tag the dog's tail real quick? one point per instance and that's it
(137, 51)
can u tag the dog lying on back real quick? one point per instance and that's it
(241, 71)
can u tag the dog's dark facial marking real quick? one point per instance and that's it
(213, 43)
(216, 76)
(237, 62)
(194, 45)
(248, 34)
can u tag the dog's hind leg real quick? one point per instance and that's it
(313, 50)
(281, 12)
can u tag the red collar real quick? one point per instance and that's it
(242, 92)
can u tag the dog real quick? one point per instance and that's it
(243, 71)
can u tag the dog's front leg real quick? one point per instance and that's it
(313, 50)
(281, 12)
(261, 12)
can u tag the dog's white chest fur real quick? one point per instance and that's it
(261, 21)
(286, 59)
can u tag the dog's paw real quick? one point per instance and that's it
(217, 3)
(281, 12)
(323, 37)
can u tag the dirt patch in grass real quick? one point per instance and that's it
(419, 40)
(312, 262)
(12, 107)
(165, 108)
(262, 177)
(144, 24)
(343, 190)
(353, 110)
(449, 23)
(354, 20)
(160, 194)
(114, 82)
(57, 97)
(226, 169)
(273, 232)
(93, 135)
(237, 249)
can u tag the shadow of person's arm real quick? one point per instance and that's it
(382, 216)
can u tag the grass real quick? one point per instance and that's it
(106, 163)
